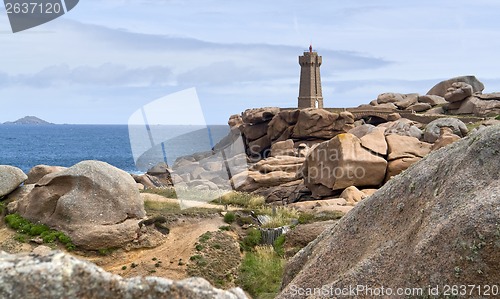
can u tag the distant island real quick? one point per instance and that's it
(28, 120)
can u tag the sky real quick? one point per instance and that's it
(104, 60)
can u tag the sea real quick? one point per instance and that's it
(124, 147)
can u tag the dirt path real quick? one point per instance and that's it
(170, 258)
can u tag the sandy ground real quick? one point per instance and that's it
(170, 258)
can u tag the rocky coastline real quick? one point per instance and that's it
(392, 167)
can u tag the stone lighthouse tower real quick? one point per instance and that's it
(310, 95)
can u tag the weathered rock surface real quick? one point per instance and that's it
(10, 178)
(39, 171)
(433, 100)
(46, 275)
(352, 195)
(446, 137)
(403, 127)
(432, 130)
(442, 231)
(403, 152)
(458, 91)
(441, 88)
(283, 148)
(320, 123)
(419, 107)
(479, 107)
(259, 115)
(96, 204)
(339, 163)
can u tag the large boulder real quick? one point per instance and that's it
(458, 91)
(259, 115)
(54, 274)
(281, 126)
(446, 137)
(403, 127)
(441, 88)
(97, 205)
(419, 107)
(10, 178)
(339, 163)
(403, 152)
(320, 123)
(39, 171)
(479, 107)
(434, 225)
(432, 130)
(432, 100)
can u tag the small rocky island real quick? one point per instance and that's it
(28, 120)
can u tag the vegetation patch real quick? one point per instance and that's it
(279, 216)
(229, 217)
(217, 259)
(168, 192)
(251, 240)
(173, 208)
(26, 229)
(305, 218)
(261, 272)
(241, 199)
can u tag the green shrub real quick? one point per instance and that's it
(199, 247)
(305, 218)
(261, 272)
(278, 245)
(26, 228)
(251, 240)
(49, 236)
(38, 229)
(15, 221)
(195, 257)
(21, 238)
(225, 227)
(498, 117)
(229, 217)
(205, 237)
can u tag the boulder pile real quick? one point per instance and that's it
(434, 225)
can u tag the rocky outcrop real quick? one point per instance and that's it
(254, 127)
(478, 106)
(308, 124)
(39, 171)
(446, 137)
(432, 130)
(403, 127)
(458, 91)
(403, 152)
(10, 178)
(436, 224)
(58, 275)
(97, 205)
(442, 87)
(339, 163)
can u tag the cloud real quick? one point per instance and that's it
(107, 74)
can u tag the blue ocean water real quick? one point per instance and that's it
(25, 146)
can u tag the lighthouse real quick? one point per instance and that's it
(310, 95)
